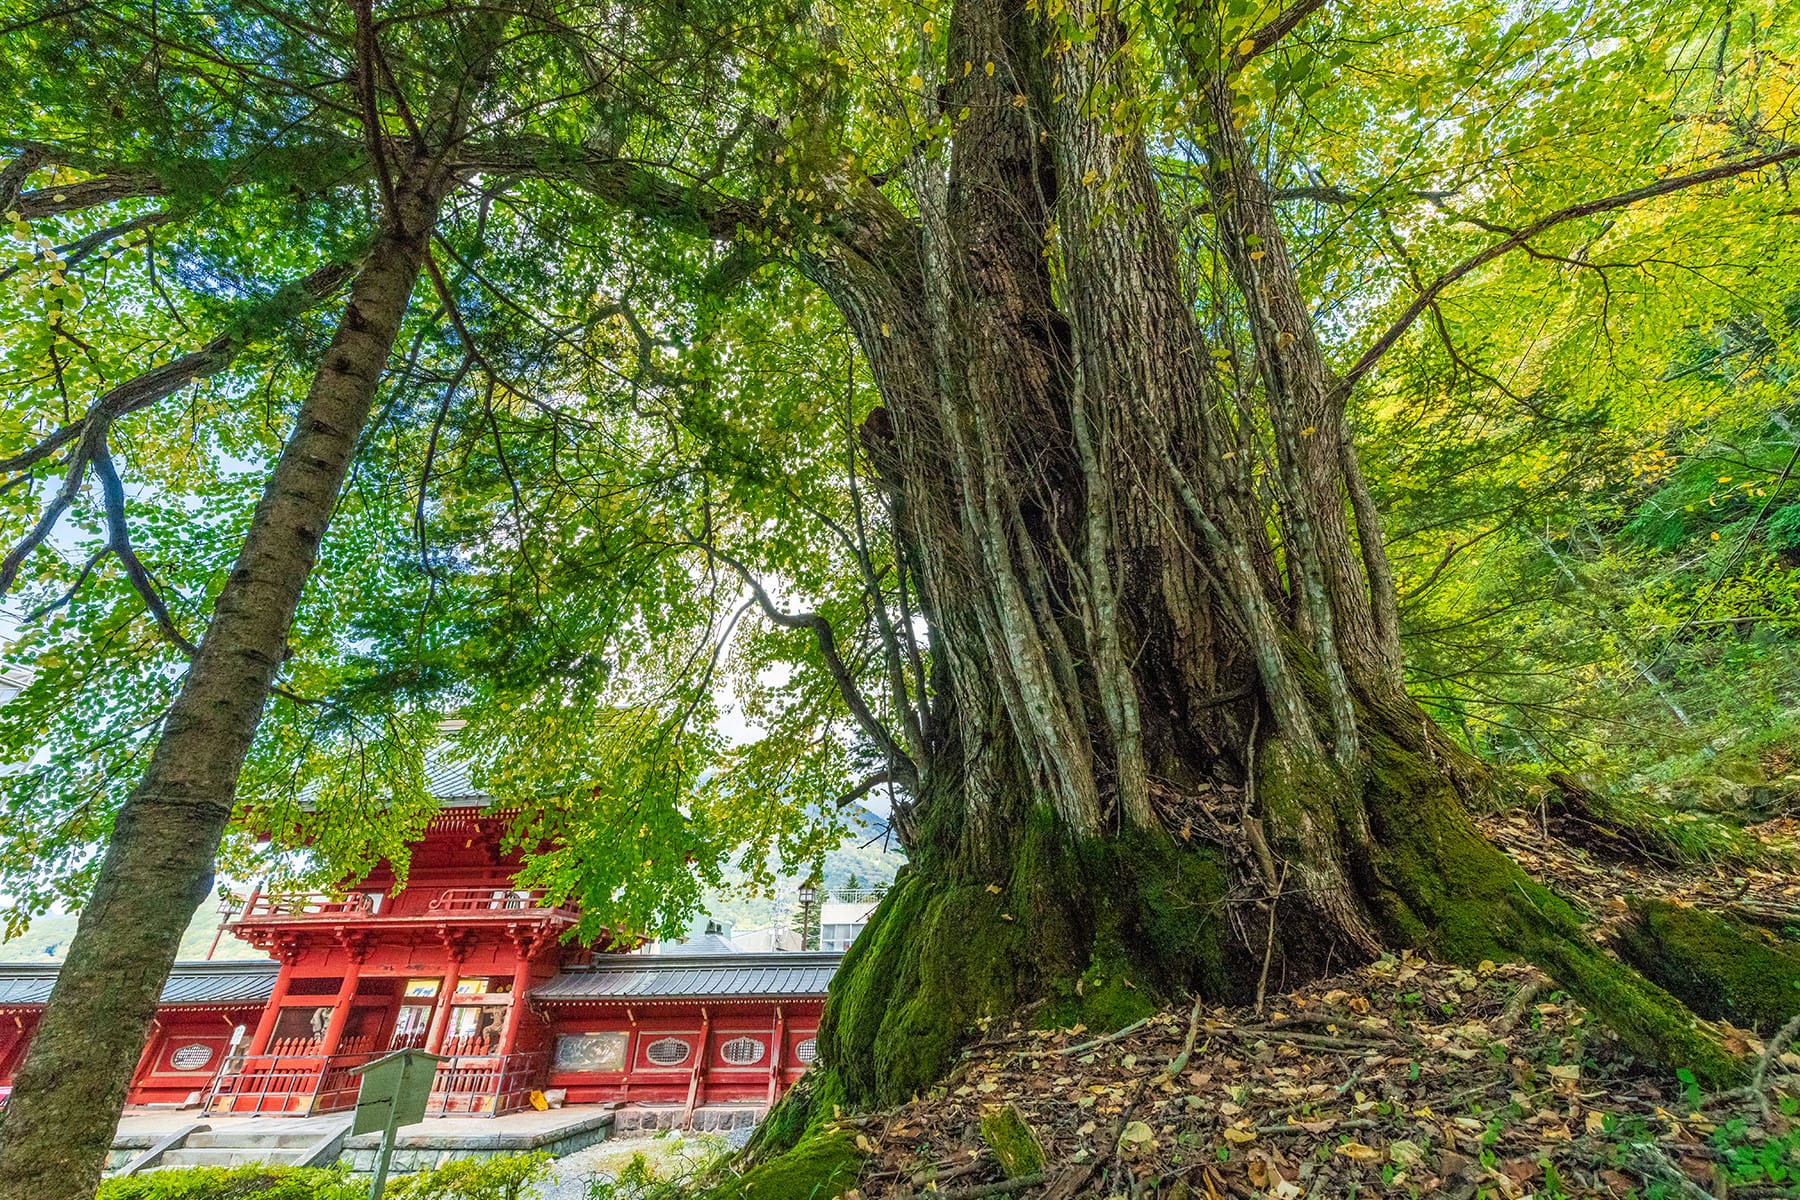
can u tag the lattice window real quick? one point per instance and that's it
(667, 1052)
(742, 1052)
(807, 1051)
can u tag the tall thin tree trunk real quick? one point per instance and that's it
(159, 861)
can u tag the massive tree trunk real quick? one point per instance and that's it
(1167, 715)
(158, 868)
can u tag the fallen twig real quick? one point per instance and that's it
(1105, 1037)
(1515, 1007)
(1758, 1078)
(1180, 1061)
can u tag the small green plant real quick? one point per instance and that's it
(1690, 1087)
(1752, 1157)
(235, 1183)
(513, 1177)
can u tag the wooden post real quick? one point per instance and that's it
(265, 1024)
(440, 1016)
(693, 1097)
(775, 1056)
(340, 1007)
(515, 1010)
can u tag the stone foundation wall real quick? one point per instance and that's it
(422, 1152)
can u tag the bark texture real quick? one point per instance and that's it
(1156, 593)
(158, 867)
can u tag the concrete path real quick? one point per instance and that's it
(668, 1154)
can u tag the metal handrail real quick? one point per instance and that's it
(853, 895)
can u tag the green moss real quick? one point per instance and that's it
(1102, 998)
(1103, 930)
(1720, 969)
(823, 1165)
(1445, 889)
(1015, 1147)
(934, 958)
(817, 1098)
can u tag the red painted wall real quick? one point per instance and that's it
(641, 1079)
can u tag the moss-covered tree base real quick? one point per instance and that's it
(1097, 934)
(821, 1165)
(1720, 969)
(1442, 888)
(1101, 933)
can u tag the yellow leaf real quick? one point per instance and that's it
(1088, 179)
(1240, 1136)
(929, 26)
(1256, 256)
(1357, 1152)
(990, 70)
(913, 81)
(994, 888)
(1247, 47)
(1309, 431)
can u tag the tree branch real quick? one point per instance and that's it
(141, 391)
(16, 172)
(617, 181)
(905, 769)
(1275, 30)
(88, 193)
(112, 493)
(862, 789)
(1519, 237)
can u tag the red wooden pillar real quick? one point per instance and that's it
(265, 1024)
(631, 1052)
(440, 1017)
(15, 1049)
(340, 1007)
(145, 1058)
(775, 1056)
(515, 1011)
(699, 1072)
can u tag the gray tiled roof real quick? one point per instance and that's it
(24, 984)
(649, 977)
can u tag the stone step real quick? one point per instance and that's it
(276, 1136)
(229, 1156)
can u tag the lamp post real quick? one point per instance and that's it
(807, 895)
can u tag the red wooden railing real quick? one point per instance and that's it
(488, 899)
(287, 1084)
(461, 901)
(486, 1085)
(470, 1082)
(307, 904)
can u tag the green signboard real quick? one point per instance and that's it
(393, 1093)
